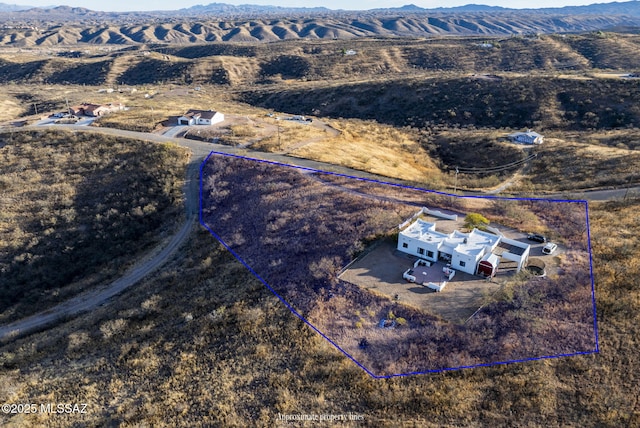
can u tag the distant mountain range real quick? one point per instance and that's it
(13, 7)
(64, 25)
(218, 8)
(629, 8)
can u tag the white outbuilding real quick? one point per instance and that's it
(201, 117)
(529, 137)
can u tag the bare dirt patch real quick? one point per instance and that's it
(380, 271)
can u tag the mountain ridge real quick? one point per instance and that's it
(631, 7)
(6, 7)
(65, 25)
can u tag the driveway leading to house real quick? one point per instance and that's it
(86, 121)
(174, 131)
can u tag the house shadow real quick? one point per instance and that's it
(171, 121)
(421, 290)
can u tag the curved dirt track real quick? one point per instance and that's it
(149, 263)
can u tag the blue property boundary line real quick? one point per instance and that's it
(593, 285)
(441, 370)
(241, 260)
(403, 186)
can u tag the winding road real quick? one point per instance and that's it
(162, 253)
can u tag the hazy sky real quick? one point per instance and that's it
(128, 5)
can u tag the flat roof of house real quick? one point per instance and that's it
(474, 242)
(532, 134)
(424, 231)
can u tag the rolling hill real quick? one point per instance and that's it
(64, 25)
(319, 61)
(269, 30)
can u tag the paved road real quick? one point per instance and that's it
(163, 252)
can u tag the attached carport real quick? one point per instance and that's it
(515, 251)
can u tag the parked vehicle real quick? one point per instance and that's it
(67, 120)
(536, 237)
(549, 248)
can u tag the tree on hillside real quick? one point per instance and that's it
(476, 220)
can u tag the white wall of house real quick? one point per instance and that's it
(465, 262)
(217, 118)
(416, 247)
(183, 119)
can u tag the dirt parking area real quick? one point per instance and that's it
(380, 271)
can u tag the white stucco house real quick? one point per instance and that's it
(464, 251)
(529, 137)
(201, 117)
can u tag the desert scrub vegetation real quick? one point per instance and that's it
(84, 73)
(297, 232)
(76, 208)
(316, 61)
(139, 119)
(10, 107)
(475, 152)
(564, 165)
(618, 138)
(243, 357)
(509, 102)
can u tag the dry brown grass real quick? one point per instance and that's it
(243, 357)
(375, 148)
(10, 107)
(618, 138)
(291, 135)
(568, 164)
(76, 211)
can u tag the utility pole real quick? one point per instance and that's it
(455, 186)
(279, 145)
(35, 107)
(276, 120)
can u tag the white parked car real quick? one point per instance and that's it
(549, 248)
